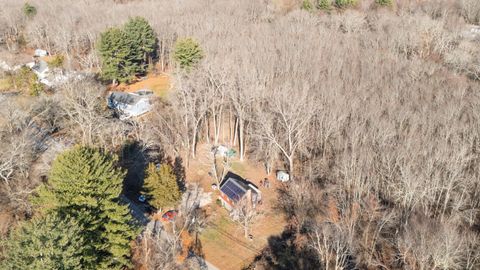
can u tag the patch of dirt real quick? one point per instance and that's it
(17, 58)
(6, 222)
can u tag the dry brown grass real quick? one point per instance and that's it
(159, 84)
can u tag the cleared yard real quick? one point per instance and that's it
(159, 84)
(225, 246)
(223, 241)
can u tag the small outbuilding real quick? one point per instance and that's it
(283, 176)
(40, 53)
(223, 151)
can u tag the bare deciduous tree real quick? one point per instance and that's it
(285, 120)
(245, 213)
(193, 102)
(331, 246)
(83, 105)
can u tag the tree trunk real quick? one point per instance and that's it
(268, 168)
(215, 136)
(230, 127)
(235, 131)
(207, 128)
(290, 167)
(194, 143)
(217, 125)
(241, 139)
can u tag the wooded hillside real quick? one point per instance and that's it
(373, 107)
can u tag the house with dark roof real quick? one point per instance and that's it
(234, 189)
(130, 104)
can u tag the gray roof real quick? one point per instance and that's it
(41, 66)
(124, 98)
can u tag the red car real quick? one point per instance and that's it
(169, 215)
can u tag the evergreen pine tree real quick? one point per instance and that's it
(48, 243)
(117, 64)
(142, 40)
(161, 186)
(187, 53)
(125, 51)
(86, 184)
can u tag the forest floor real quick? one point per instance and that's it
(223, 242)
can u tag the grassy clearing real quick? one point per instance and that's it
(238, 167)
(224, 245)
(159, 84)
(5, 85)
(213, 233)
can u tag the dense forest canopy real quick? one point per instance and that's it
(373, 107)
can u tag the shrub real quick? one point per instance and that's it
(5, 84)
(35, 89)
(324, 4)
(26, 81)
(307, 5)
(345, 3)
(22, 41)
(29, 10)
(187, 53)
(384, 2)
(57, 61)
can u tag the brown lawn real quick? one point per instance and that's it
(159, 84)
(5, 85)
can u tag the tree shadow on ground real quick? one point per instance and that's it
(180, 174)
(134, 158)
(285, 252)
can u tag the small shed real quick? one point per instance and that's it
(283, 176)
(40, 53)
(224, 151)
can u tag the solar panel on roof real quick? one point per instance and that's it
(233, 191)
